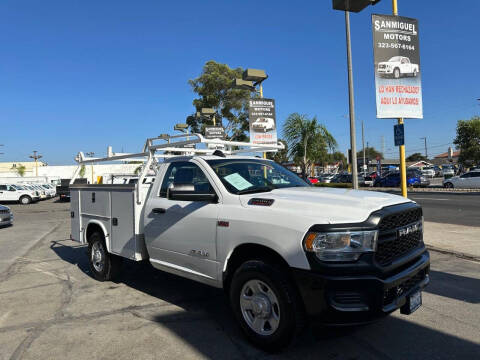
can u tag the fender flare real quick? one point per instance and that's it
(106, 234)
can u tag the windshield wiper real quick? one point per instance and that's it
(255, 190)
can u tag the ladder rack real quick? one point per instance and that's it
(153, 150)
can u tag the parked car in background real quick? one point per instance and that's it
(448, 171)
(63, 190)
(41, 191)
(6, 216)
(9, 192)
(347, 179)
(392, 179)
(50, 190)
(428, 172)
(368, 180)
(469, 180)
(327, 178)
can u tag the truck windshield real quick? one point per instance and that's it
(243, 176)
(395, 58)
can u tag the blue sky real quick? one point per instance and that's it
(81, 75)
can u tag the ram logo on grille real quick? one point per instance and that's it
(410, 229)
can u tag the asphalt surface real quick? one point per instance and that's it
(51, 308)
(449, 208)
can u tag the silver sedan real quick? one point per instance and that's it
(6, 216)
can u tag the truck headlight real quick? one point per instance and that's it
(341, 246)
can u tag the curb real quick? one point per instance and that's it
(425, 190)
(458, 254)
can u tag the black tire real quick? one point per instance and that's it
(396, 73)
(291, 315)
(110, 264)
(414, 73)
(25, 200)
(449, 185)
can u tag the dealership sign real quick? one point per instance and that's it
(397, 67)
(214, 132)
(263, 126)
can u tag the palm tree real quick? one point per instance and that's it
(308, 140)
(21, 169)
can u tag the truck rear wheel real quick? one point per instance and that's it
(266, 305)
(103, 265)
(25, 200)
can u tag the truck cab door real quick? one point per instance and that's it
(180, 235)
(10, 194)
(3, 192)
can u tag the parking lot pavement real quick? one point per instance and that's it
(36, 221)
(51, 308)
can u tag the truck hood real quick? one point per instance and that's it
(392, 63)
(326, 205)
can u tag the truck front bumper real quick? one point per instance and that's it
(356, 299)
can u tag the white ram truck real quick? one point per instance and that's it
(397, 67)
(283, 250)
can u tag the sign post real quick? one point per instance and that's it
(397, 73)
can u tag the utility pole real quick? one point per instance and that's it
(351, 103)
(35, 157)
(363, 146)
(403, 169)
(426, 153)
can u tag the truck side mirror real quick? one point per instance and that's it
(186, 192)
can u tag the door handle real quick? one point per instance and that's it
(159, 211)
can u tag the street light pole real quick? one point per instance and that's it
(363, 146)
(426, 153)
(351, 103)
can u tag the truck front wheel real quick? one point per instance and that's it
(396, 73)
(266, 305)
(104, 266)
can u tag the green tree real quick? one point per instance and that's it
(468, 141)
(416, 157)
(308, 141)
(20, 170)
(281, 156)
(214, 87)
(82, 172)
(370, 153)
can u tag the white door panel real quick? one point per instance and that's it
(183, 231)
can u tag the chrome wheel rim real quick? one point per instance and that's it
(260, 307)
(98, 257)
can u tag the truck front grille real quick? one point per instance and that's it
(4, 211)
(390, 295)
(391, 246)
(391, 222)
